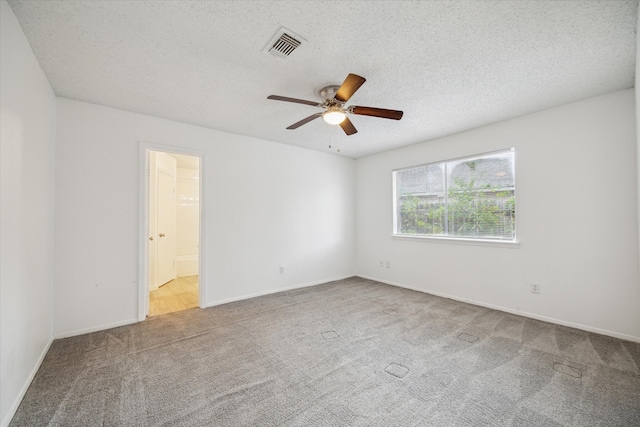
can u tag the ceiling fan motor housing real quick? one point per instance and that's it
(328, 92)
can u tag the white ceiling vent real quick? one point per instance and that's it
(284, 43)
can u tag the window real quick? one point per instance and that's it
(470, 198)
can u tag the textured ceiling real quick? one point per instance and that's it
(449, 65)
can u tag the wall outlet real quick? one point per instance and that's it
(535, 288)
(388, 264)
(281, 270)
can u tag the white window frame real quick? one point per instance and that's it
(510, 243)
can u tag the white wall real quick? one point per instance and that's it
(27, 130)
(637, 93)
(268, 205)
(577, 207)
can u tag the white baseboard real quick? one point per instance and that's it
(187, 265)
(95, 329)
(275, 291)
(209, 304)
(16, 403)
(509, 310)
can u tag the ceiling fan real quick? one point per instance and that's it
(335, 112)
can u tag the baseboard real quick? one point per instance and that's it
(16, 403)
(95, 329)
(511, 311)
(209, 304)
(275, 291)
(187, 265)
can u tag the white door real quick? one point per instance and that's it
(166, 227)
(152, 163)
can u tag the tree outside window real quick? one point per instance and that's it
(464, 198)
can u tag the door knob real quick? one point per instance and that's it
(161, 234)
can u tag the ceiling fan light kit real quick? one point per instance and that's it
(333, 100)
(334, 116)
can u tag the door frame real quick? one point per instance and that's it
(143, 220)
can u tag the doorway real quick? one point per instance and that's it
(171, 276)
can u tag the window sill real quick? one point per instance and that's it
(511, 244)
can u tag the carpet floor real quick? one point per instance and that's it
(348, 353)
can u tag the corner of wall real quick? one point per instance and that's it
(637, 99)
(27, 127)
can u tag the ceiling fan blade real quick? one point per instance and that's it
(376, 112)
(305, 121)
(348, 127)
(296, 100)
(350, 85)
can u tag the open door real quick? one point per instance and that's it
(172, 213)
(165, 233)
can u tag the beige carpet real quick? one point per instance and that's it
(346, 353)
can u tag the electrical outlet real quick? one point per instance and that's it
(281, 270)
(388, 264)
(535, 288)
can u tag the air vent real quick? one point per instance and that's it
(284, 43)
